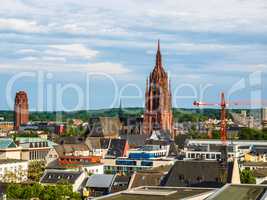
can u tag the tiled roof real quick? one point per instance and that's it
(70, 148)
(103, 127)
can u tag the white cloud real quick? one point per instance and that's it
(27, 51)
(78, 50)
(34, 64)
(29, 58)
(106, 67)
(120, 17)
(54, 59)
(20, 25)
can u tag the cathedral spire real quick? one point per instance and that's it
(158, 56)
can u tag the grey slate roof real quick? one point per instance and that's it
(58, 176)
(100, 181)
(135, 140)
(198, 174)
(116, 147)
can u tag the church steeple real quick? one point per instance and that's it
(120, 113)
(158, 108)
(158, 57)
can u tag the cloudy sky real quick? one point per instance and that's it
(75, 54)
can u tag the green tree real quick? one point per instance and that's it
(252, 134)
(216, 134)
(36, 170)
(27, 191)
(246, 176)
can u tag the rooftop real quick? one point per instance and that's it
(100, 180)
(6, 161)
(157, 193)
(56, 165)
(25, 141)
(7, 143)
(58, 176)
(240, 192)
(198, 173)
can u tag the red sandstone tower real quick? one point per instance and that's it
(158, 105)
(21, 109)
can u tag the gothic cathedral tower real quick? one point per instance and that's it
(158, 100)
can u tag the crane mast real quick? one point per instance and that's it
(222, 105)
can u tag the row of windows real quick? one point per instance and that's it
(199, 179)
(74, 160)
(204, 156)
(38, 155)
(119, 169)
(11, 168)
(145, 155)
(125, 162)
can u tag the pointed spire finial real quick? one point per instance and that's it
(158, 56)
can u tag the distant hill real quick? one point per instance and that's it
(180, 114)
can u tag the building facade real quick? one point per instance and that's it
(158, 105)
(21, 109)
(147, 157)
(12, 170)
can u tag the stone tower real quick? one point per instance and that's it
(21, 109)
(158, 100)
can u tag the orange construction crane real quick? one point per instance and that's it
(222, 104)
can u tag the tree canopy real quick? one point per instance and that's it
(246, 176)
(36, 190)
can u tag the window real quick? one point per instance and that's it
(199, 179)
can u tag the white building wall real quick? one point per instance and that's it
(19, 169)
(13, 153)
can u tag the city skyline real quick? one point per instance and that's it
(201, 48)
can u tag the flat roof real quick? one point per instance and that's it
(158, 193)
(56, 165)
(240, 192)
(229, 142)
(6, 161)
